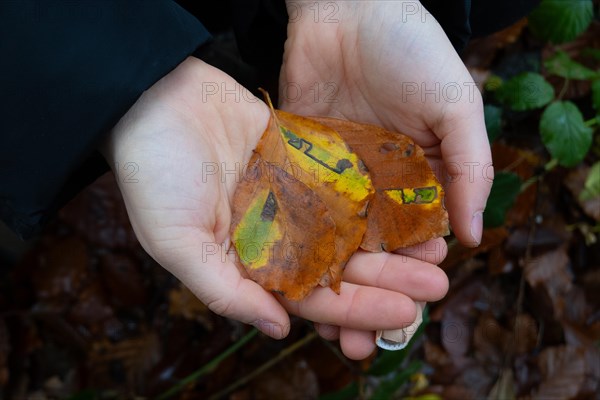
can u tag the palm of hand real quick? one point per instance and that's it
(379, 66)
(180, 211)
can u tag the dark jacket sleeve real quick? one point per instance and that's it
(68, 71)
(463, 20)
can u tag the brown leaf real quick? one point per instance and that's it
(550, 270)
(325, 163)
(62, 270)
(575, 181)
(408, 205)
(130, 359)
(292, 380)
(568, 372)
(306, 189)
(123, 279)
(281, 231)
(183, 303)
(491, 341)
(525, 334)
(490, 239)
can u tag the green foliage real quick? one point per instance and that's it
(87, 394)
(564, 133)
(505, 189)
(526, 91)
(349, 392)
(562, 65)
(493, 121)
(591, 188)
(389, 370)
(596, 95)
(594, 53)
(561, 20)
(388, 388)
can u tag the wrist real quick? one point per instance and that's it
(195, 98)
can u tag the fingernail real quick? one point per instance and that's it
(269, 328)
(477, 227)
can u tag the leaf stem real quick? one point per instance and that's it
(550, 165)
(282, 354)
(564, 89)
(206, 368)
(592, 121)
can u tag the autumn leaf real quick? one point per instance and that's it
(318, 189)
(281, 231)
(408, 206)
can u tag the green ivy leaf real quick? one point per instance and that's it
(564, 133)
(505, 189)
(591, 189)
(493, 121)
(596, 95)
(388, 387)
(562, 65)
(526, 91)
(561, 20)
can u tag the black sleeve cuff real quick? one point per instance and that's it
(68, 71)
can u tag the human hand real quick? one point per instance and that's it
(390, 63)
(181, 213)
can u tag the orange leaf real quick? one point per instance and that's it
(408, 206)
(281, 230)
(310, 185)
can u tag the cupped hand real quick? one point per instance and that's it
(190, 140)
(390, 63)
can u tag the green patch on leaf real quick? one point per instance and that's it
(562, 65)
(526, 91)
(564, 133)
(591, 189)
(561, 20)
(493, 121)
(505, 190)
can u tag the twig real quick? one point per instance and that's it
(211, 365)
(564, 89)
(282, 354)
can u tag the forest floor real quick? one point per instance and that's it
(87, 314)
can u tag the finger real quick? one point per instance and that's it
(416, 279)
(357, 344)
(357, 307)
(327, 332)
(432, 251)
(210, 274)
(468, 163)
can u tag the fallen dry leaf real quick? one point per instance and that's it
(407, 207)
(278, 229)
(317, 189)
(569, 372)
(576, 182)
(550, 271)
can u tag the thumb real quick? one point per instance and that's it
(468, 163)
(209, 272)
